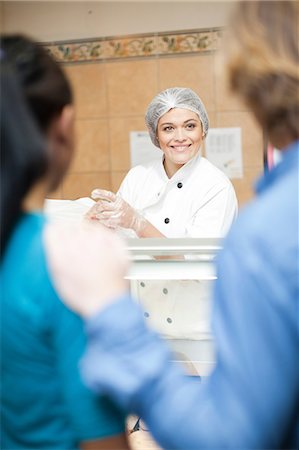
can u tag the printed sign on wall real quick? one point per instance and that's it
(142, 148)
(224, 150)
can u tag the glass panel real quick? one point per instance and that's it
(175, 295)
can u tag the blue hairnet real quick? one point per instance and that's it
(171, 98)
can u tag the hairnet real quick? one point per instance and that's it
(176, 97)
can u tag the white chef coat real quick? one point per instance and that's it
(198, 201)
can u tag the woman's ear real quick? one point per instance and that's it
(61, 129)
(66, 122)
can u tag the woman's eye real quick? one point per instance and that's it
(168, 128)
(190, 126)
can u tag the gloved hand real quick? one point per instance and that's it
(112, 211)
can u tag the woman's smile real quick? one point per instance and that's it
(181, 148)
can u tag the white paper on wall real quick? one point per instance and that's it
(142, 149)
(224, 150)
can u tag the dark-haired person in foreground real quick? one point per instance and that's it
(251, 399)
(44, 404)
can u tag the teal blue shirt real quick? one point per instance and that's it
(43, 401)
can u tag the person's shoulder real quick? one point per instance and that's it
(267, 222)
(209, 178)
(212, 171)
(31, 277)
(25, 245)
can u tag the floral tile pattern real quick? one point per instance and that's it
(192, 41)
(128, 47)
(189, 42)
(74, 52)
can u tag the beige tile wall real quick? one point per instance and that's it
(111, 98)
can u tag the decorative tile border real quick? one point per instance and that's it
(158, 44)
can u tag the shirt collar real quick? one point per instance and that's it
(289, 162)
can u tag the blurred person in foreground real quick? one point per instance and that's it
(251, 399)
(44, 404)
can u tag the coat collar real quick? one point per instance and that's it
(183, 173)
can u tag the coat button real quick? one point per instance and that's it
(165, 291)
(166, 220)
(146, 314)
(180, 185)
(169, 320)
(142, 284)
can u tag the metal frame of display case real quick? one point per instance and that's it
(192, 258)
(177, 259)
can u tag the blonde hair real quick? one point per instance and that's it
(263, 63)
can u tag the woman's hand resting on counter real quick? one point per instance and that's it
(87, 265)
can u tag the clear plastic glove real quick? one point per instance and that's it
(87, 265)
(113, 212)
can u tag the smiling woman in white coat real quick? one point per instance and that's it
(181, 195)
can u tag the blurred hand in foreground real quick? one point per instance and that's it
(113, 212)
(87, 265)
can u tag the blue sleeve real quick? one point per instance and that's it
(252, 393)
(91, 416)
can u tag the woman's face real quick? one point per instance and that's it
(180, 136)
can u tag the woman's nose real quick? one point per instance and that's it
(179, 134)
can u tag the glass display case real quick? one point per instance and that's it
(172, 280)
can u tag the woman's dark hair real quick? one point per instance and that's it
(44, 83)
(34, 90)
(24, 156)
